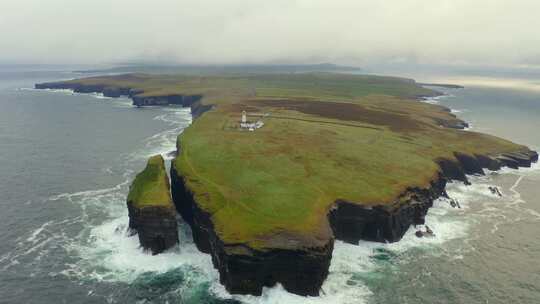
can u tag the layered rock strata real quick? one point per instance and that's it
(303, 269)
(244, 270)
(137, 95)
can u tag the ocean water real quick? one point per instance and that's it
(67, 159)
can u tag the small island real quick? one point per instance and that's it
(334, 157)
(150, 208)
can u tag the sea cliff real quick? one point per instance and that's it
(137, 95)
(302, 270)
(245, 270)
(351, 222)
(340, 157)
(150, 208)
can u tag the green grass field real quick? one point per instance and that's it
(318, 85)
(326, 137)
(286, 175)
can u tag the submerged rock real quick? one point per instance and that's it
(495, 191)
(428, 233)
(151, 210)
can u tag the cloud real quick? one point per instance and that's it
(252, 31)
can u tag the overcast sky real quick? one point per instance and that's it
(491, 32)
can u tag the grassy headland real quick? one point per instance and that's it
(327, 137)
(286, 175)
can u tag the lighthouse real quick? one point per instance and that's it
(251, 126)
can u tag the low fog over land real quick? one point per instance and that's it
(486, 32)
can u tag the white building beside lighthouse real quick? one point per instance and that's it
(251, 126)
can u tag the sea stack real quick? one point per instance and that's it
(152, 214)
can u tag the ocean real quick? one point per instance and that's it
(66, 161)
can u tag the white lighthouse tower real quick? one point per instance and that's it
(244, 124)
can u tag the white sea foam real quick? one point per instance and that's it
(534, 170)
(457, 111)
(63, 91)
(35, 246)
(431, 100)
(492, 210)
(436, 99)
(348, 261)
(99, 96)
(89, 193)
(122, 101)
(123, 260)
(33, 237)
(165, 142)
(45, 90)
(447, 222)
(107, 252)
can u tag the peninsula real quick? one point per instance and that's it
(275, 167)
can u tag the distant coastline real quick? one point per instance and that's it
(441, 85)
(190, 69)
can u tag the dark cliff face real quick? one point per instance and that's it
(352, 222)
(116, 92)
(198, 109)
(155, 226)
(244, 270)
(299, 271)
(183, 100)
(453, 124)
(303, 271)
(136, 95)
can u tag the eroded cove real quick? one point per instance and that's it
(267, 204)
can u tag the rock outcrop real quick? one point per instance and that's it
(352, 222)
(453, 124)
(150, 208)
(462, 164)
(183, 100)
